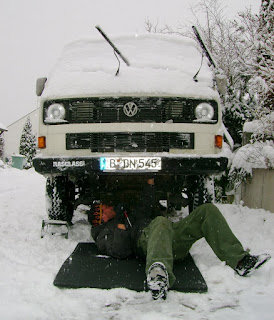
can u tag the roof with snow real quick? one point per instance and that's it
(2, 128)
(160, 65)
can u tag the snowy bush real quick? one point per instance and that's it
(259, 153)
(262, 129)
(2, 165)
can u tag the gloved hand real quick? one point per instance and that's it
(120, 213)
(150, 181)
(94, 215)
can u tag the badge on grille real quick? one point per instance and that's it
(130, 109)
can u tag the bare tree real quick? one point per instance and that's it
(154, 27)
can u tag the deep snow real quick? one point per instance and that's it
(29, 264)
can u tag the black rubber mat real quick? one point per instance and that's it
(84, 268)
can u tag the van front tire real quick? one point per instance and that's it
(59, 198)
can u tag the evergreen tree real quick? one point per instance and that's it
(2, 144)
(28, 144)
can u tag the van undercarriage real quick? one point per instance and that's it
(75, 181)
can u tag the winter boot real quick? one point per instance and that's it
(157, 280)
(250, 263)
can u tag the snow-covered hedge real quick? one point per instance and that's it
(259, 153)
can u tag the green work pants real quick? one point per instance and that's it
(164, 241)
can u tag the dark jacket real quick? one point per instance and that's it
(122, 244)
(112, 241)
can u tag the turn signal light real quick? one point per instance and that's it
(42, 142)
(219, 141)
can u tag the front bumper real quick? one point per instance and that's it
(192, 165)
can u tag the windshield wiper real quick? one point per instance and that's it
(205, 51)
(116, 51)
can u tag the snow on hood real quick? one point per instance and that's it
(159, 65)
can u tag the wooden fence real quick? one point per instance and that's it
(259, 192)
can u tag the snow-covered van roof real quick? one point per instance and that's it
(160, 65)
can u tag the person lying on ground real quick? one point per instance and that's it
(148, 235)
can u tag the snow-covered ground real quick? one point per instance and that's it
(28, 265)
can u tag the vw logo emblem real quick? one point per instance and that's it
(130, 109)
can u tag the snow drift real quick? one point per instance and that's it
(28, 266)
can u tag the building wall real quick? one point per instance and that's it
(13, 135)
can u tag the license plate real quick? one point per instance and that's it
(130, 163)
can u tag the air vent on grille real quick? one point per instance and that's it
(130, 142)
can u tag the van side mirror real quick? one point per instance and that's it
(221, 82)
(40, 85)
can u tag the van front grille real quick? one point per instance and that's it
(130, 142)
(127, 109)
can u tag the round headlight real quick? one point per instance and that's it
(204, 112)
(56, 111)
